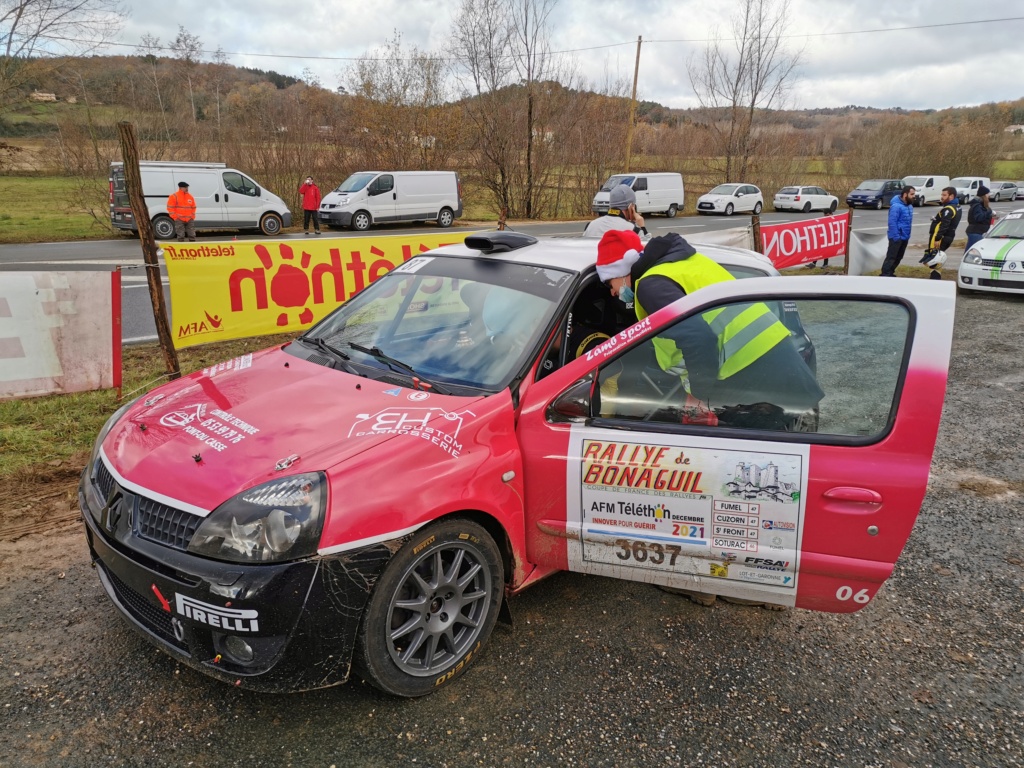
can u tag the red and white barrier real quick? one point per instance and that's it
(59, 332)
(801, 242)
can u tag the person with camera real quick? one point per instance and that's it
(622, 214)
(310, 194)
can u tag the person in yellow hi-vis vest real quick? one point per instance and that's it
(738, 364)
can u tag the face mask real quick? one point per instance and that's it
(626, 294)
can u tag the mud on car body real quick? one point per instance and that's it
(364, 498)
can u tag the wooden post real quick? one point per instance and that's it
(755, 225)
(632, 107)
(849, 236)
(133, 186)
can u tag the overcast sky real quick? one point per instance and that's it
(914, 69)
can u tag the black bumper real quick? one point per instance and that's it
(336, 218)
(300, 619)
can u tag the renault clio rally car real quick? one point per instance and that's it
(996, 262)
(366, 497)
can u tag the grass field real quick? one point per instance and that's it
(38, 209)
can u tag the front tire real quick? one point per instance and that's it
(432, 610)
(445, 218)
(271, 224)
(163, 228)
(729, 209)
(878, 204)
(360, 221)
(672, 211)
(757, 209)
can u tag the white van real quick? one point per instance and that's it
(655, 192)
(225, 198)
(929, 188)
(369, 197)
(967, 186)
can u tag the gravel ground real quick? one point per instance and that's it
(599, 672)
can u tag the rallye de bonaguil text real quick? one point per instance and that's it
(364, 499)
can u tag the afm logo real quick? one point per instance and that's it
(209, 324)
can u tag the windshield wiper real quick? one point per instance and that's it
(323, 346)
(379, 354)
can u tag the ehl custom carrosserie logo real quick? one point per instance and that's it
(413, 422)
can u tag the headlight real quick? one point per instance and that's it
(276, 521)
(116, 417)
(973, 256)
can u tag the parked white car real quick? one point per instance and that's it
(805, 199)
(928, 188)
(996, 262)
(967, 187)
(655, 192)
(1002, 190)
(1020, 190)
(374, 197)
(730, 199)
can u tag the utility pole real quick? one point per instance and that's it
(632, 106)
(133, 185)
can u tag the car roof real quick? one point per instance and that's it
(578, 254)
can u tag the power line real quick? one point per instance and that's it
(251, 54)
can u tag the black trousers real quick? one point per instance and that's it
(306, 216)
(893, 257)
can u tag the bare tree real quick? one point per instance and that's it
(34, 33)
(735, 80)
(187, 50)
(149, 49)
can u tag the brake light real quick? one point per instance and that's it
(458, 183)
(796, 199)
(111, 191)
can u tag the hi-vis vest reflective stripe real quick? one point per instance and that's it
(745, 331)
(181, 205)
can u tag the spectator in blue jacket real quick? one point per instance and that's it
(901, 218)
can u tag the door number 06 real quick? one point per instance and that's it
(845, 593)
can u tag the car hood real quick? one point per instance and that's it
(715, 198)
(866, 192)
(197, 442)
(334, 198)
(1003, 249)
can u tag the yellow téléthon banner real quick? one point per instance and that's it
(236, 289)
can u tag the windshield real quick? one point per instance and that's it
(614, 181)
(355, 182)
(459, 322)
(1010, 226)
(915, 181)
(961, 181)
(724, 189)
(872, 185)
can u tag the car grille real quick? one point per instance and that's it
(166, 525)
(154, 619)
(706, 205)
(104, 481)
(1015, 285)
(993, 263)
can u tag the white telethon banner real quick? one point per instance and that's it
(737, 237)
(59, 332)
(867, 252)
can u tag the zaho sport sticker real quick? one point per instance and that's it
(413, 422)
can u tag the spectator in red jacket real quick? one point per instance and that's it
(310, 194)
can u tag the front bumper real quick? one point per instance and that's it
(336, 218)
(978, 277)
(299, 619)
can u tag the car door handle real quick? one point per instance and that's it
(863, 495)
(216, 197)
(394, 195)
(225, 197)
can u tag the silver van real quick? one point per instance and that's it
(225, 198)
(655, 192)
(373, 197)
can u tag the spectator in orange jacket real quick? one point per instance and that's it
(181, 207)
(310, 194)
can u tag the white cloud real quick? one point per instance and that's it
(923, 68)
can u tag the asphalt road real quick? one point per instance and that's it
(137, 314)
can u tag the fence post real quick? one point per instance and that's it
(755, 224)
(849, 236)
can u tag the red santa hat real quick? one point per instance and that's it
(617, 252)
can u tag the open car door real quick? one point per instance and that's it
(807, 506)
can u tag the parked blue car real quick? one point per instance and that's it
(874, 193)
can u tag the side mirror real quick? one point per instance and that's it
(574, 404)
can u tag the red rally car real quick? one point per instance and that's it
(365, 497)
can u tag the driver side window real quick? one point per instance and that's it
(239, 184)
(833, 368)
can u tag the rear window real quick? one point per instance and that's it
(789, 191)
